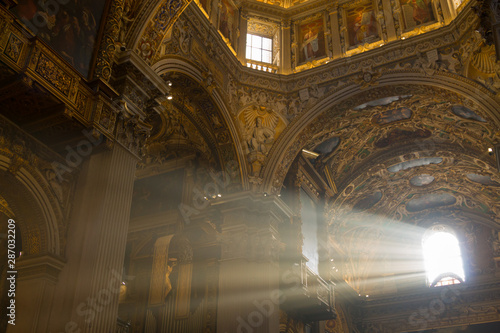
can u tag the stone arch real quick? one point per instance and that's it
(302, 128)
(28, 194)
(152, 27)
(177, 65)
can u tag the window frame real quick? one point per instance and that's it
(443, 228)
(261, 49)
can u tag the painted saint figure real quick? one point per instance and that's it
(422, 12)
(364, 27)
(310, 45)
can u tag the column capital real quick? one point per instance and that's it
(34, 267)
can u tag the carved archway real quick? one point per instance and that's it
(195, 96)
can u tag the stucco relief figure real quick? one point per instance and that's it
(168, 283)
(260, 136)
(260, 129)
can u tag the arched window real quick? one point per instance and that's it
(442, 257)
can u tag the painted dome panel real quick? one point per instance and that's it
(466, 113)
(414, 163)
(367, 202)
(422, 180)
(327, 146)
(430, 201)
(485, 180)
(399, 135)
(381, 102)
(391, 116)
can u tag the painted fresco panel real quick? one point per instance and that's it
(70, 28)
(416, 12)
(392, 115)
(362, 24)
(312, 40)
(226, 21)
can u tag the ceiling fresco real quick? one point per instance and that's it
(400, 164)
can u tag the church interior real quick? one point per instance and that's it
(250, 166)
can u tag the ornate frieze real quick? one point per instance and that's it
(44, 65)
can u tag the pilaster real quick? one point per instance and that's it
(87, 293)
(334, 21)
(286, 56)
(242, 38)
(389, 20)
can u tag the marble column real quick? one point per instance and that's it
(249, 296)
(88, 288)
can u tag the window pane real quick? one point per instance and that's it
(267, 44)
(256, 55)
(442, 256)
(249, 40)
(256, 41)
(267, 56)
(259, 48)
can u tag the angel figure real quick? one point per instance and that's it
(262, 133)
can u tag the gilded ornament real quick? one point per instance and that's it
(14, 47)
(53, 74)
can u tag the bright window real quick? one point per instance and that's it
(259, 48)
(442, 257)
(457, 3)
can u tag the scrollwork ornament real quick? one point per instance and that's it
(109, 41)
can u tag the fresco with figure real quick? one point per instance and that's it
(311, 40)
(70, 28)
(362, 24)
(416, 12)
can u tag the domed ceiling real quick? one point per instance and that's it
(401, 164)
